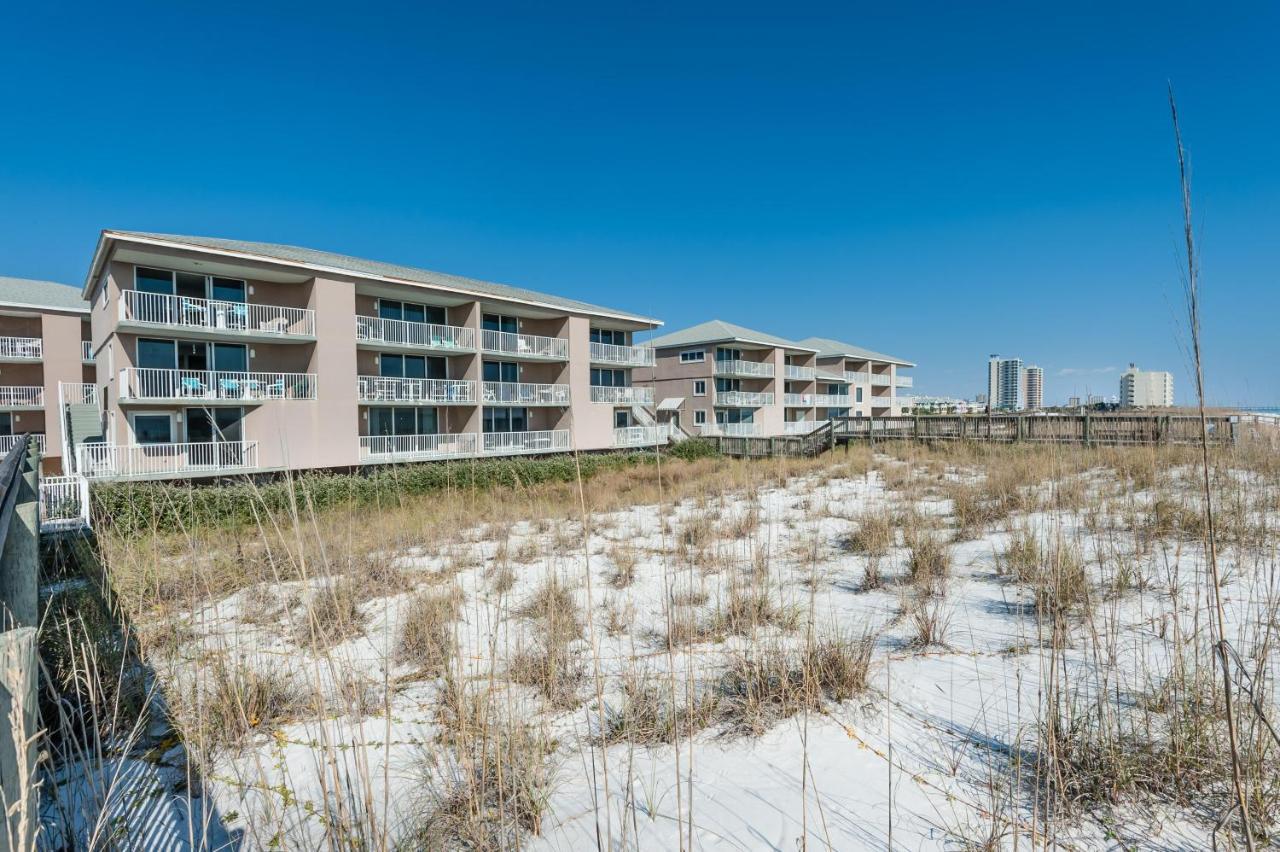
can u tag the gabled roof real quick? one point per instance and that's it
(29, 293)
(325, 260)
(828, 348)
(719, 331)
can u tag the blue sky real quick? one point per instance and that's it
(939, 181)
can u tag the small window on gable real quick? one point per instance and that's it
(693, 356)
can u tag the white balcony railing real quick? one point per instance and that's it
(77, 393)
(857, 378)
(417, 447)
(86, 350)
(734, 367)
(903, 381)
(523, 345)
(880, 401)
(161, 309)
(22, 396)
(8, 442)
(623, 356)
(732, 430)
(791, 371)
(416, 334)
(801, 427)
(622, 395)
(429, 391)
(111, 461)
(832, 400)
(743, 398)
(64, 503)
(797, 400)
(22, 348)
(515, 443)
(524, 393)
(881, 380)
(640, 436)
(138, 383)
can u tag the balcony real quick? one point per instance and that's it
(802, 427)
(523, 393)
(749, 369)
(832, 400)
(528, 346)
(107, 461)
(520, 443)
(732, 430)
(8, 442)
(19, 397)
(393, 448)
(21, 349)
(622, 395)
(417, 336)
(885, 401)
(797, 400)
(743, 399)
(903, 381)
(147, 384)
(640, 436)
(86, 351)
(621, 356)
(207, 318)
(881, 380)
(857, 378)
(802, 373)
(371, 389)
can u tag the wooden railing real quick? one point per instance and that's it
(1083, 429)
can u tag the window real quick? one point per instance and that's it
(725, 385)
(726, 354)
(621, 418)
(700, 417)
(858, 392)
(693, 356)
(394, 309)
(188, 284)
(227, 289)
(506, 419)
(152, 429)
(6, 424)
(608, 378)
(403, 421)
(610, 336)
(409, 366)
(157, 354)
(700, 387)
(500, 371)
(231, 357)
(205, 425)
(497, 322)
(153, 280)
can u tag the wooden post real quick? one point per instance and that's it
(18, 737)
(1088, 439)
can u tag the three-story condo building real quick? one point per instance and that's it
(45, 355)
(219, 356)
(872, 379)
(719, 378)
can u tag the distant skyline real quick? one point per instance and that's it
(935, 181)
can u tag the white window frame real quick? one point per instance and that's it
(693, 356)
(699, 383)
(700, 417)
(173, 426)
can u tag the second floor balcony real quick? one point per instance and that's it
(622, 395)
(621, 356)
(524, 393)
(856, 378)
(402, 334)
(881, 380)
(215, 317)
(137, 461)
(21, 396)
(523, 443)
(791, 371)
(532, 347)
(832, 400)
(751, 369)
(373, 389)
(902, 381)
(21, 349)
(148, 384)
(743, 399)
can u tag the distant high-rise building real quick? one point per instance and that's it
(1005, 389)
(1146, 388)
(1073, 402)
(1033, 387)
(993, 381)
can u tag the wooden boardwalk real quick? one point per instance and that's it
(1079, 429)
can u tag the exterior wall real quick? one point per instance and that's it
(62, 363)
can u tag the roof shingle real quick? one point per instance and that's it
(28, 292)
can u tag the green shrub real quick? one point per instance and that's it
(694, 448)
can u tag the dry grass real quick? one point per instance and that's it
(426, 631)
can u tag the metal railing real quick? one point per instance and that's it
(791, 371)
(21, 396)
(523, 393)
(627, 356)
(417, 447)
(22, 348)
(622, 395)
(881, 380)
(904, 381)
(433, 391)
(8, 442)
(86, 350)
(747, 398)
(523, 345)
(419, 334)
(156, 383)
(832, 400)
(514, 443)
(797, 400)
(112, 461)
(734, 430)
(735, 367)
(640, 436)
(162, 309)
(64, 503)
(77, 393)
(857, 378)
(879, 401)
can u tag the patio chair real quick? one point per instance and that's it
(275, 390)
(228, 388)
(190, 386)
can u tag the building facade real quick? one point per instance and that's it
(1146, 388)
(45, 351)
(1006, 388)
(218, 356)
(1033, 388)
